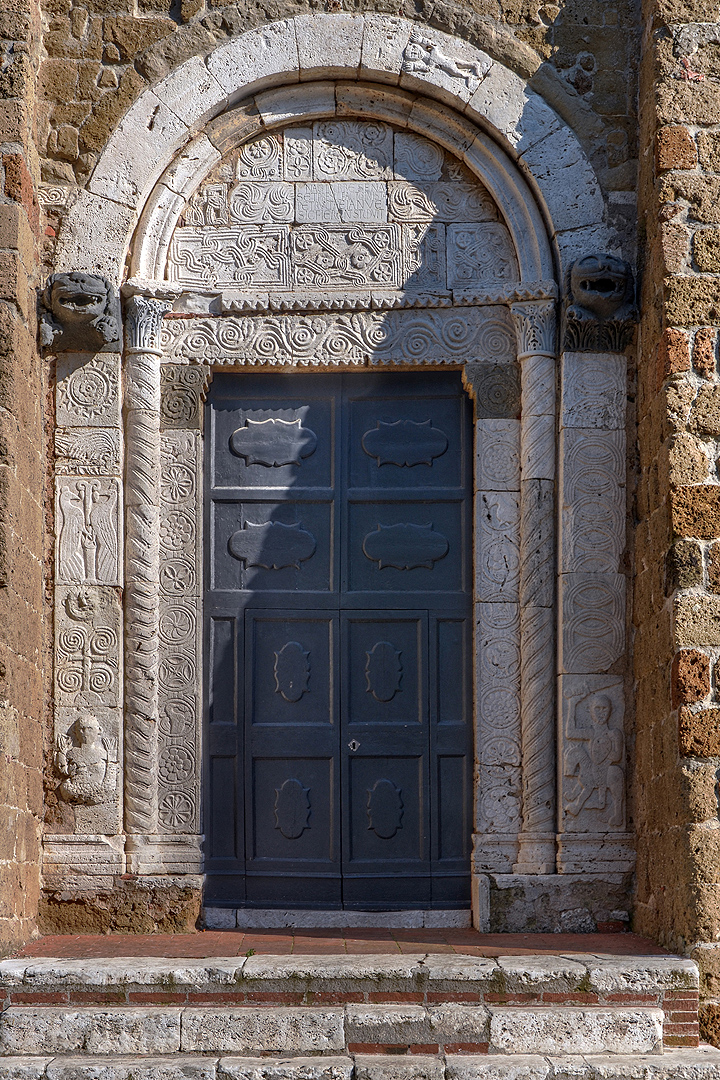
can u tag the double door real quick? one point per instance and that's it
(338, 602)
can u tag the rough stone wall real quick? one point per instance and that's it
(21, 482)
(677, 594)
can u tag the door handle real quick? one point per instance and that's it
(354, 745)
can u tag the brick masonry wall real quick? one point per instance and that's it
(22, 659)
(677, 593)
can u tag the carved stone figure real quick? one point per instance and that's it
(85, 761)
(602, 315)
(594, 768)
(422, 55)
(81, 314)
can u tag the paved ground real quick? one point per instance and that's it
(319, 942)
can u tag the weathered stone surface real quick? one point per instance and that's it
(690, 677)
(296, 1068)
(675, 148)
(696, 511)
(272, 1031)
(699, 732)
(95, 1031)
(177, 1067)
(413, 1067)
(697, 620)
(588, 1031)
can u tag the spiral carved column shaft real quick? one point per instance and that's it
(535, 327)
(142, 562)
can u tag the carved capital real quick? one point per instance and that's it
(182, 390)
(143, 318)
(535, 328)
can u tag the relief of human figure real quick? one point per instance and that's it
(85, 761)
(594, 768)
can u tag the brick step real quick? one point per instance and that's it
(416, 1003)
(700, 1063)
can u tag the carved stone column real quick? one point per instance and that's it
(142, 567)
(535, 328)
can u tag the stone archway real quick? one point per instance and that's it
(166, 370)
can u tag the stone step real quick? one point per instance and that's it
(418, 1003)
(450, 1028)
(700, 1063)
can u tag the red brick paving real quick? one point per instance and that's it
(209, 943)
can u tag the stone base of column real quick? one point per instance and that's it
(595, 853)
(494, 853)
(164, 854)
(536, 854)
(82, 862)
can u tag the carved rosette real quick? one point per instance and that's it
(142, 563)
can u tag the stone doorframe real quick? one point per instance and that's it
(521, 676)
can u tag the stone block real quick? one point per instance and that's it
(695, 511)
(567, 181)
(234, 126)
(453, 68)
(215, 918)
(387, 1024)
(593, 469)
(592, 622)
(684, 565)
(88, 390)
(541, 974)
(177, 1067)
(137, 151)
(693, 300)
(393, 1067)
(392, 106)
(329, 46)
(592, 755)
(445, 971)
(375, 972)
(95, 1030)
(641, 975)
(704, 352)
(690, 677)
(706, 250)
(675, 148)
(256, 59)
(497, 1067)
(314, 100)
(295, 1068)
(385, 40)
(497, 455)
(498, 546)
(23, 1068)
(192, 93)
(594, 391)
(577, 1030)
(699, 732)
(110, 226)
(277, 1030)
(574, 243)
(504, 100)
(162, 210)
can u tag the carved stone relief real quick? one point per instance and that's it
(87, 452)
(87, 390)
(179, 676)
(593, 754)
(392, 337)
(271, 215)
(89, 524)
(182, 392)
(602, 315)
(80, 313)
(87, 647)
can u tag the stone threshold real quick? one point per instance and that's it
(221, 918)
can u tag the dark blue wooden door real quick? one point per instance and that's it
(338, 611)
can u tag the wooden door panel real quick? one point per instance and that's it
(338, 604)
